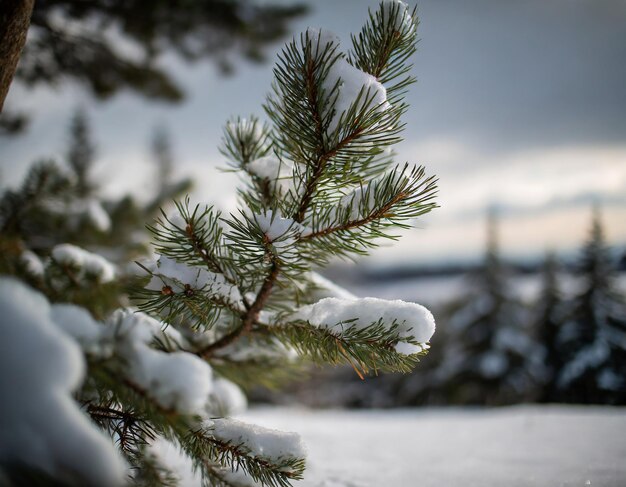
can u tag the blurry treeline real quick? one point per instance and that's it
(492, 347)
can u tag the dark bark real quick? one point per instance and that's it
(14, 22)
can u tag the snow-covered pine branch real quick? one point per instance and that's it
(368, 333)
(320, 181)
(267, 456)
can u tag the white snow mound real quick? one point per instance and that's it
(40, 366)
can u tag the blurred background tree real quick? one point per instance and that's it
(59, 203)
(593, 337)
(110, 46)
(491, 357)
(547, 323)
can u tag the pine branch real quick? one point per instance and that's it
(126, 426)
(319, 183)
(197, 243)
(365, 349)
(44, 180)
(250, 316)
(245, 140)
(398, 198)
(384, 45)
(198, 308)
(263, 371)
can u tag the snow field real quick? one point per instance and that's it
(522, 446)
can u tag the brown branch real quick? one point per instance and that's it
(203, 253)
(211, 262)
(324, 154)
(320, 165)
(380, 213)
(250, 316)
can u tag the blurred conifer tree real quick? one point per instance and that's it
(547, 327)
(594, 334)
(489, 358)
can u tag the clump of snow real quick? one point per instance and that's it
(589, 357)
(352, 84)
(272, 445)
(129, 324)
(227, 398)
(173, 458)
(32, 263)
(238, 477)
(281, 232)
(178, 381)
(266, 167)
(357, 204)
(275, 227)
(87, 262)
(176, 274)
(396, 14)
(361, 202)
(170, 272)
(78, 323)
(277, 171)
(84, 210)
(179, 465)
(320, 39)
(242, 351)
(97, 216)
(414, 321)
(40, 366)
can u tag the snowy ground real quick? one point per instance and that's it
(549, 446)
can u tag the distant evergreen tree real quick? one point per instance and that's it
(594, 335)
(547, 324)
(163, 157)
(81, 153)
(621, 266)
(490, 358)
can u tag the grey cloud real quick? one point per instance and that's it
(510, 210)
(515, 74)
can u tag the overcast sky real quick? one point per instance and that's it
(519, 104)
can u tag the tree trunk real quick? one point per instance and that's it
(14, 22)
